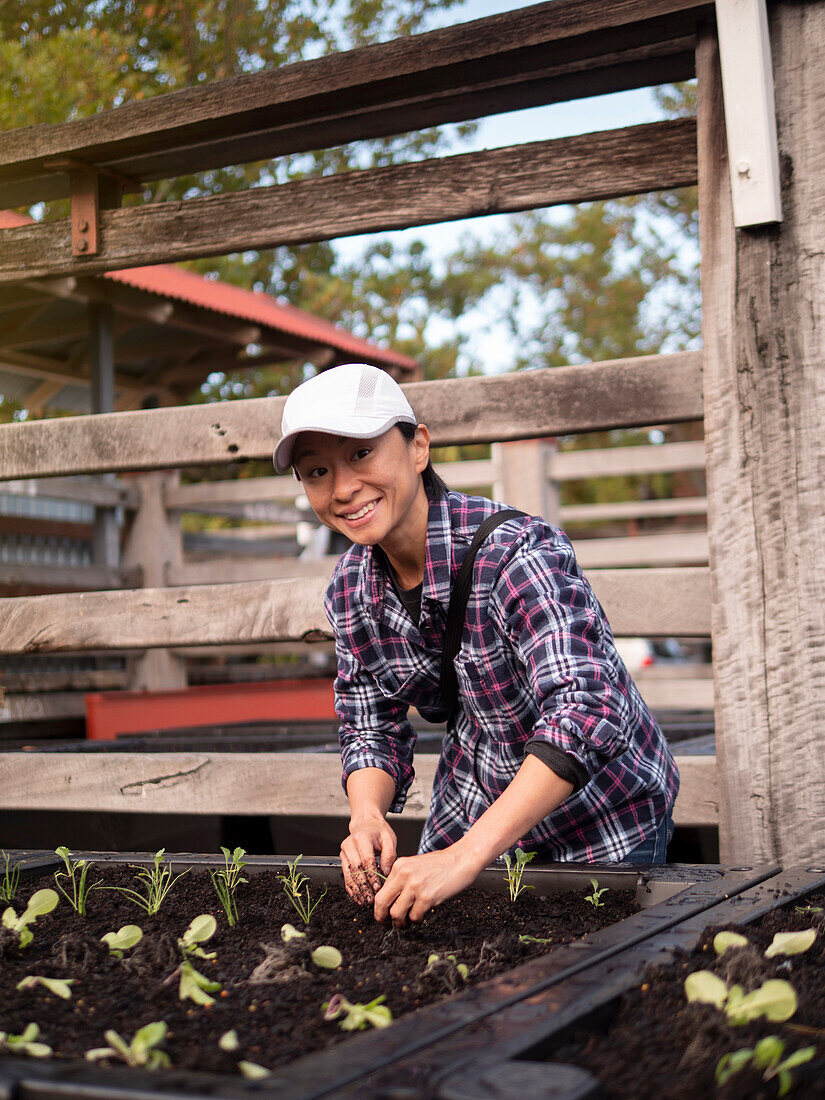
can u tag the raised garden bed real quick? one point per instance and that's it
(279, 1019)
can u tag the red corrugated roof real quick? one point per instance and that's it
(169, 281)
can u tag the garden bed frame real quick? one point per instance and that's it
(437, 1039)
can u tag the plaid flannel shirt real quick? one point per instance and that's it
(537, 671)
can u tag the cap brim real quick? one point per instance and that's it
(362, 427)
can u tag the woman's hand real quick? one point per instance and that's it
(368, 836)
(417, 883)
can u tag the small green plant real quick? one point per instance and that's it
(200, 930)
(765, 1056)
(58, 986)
(534, 939)
(227, 881)
(461, 969)
(195, 986)
(158, 881)
(296, 888)
(515, 872)
(229, 1041)
(123, 940)
(808, 908)
(595, 898)
(142, 1051)
(253, 1072)
(10, 880)
(40, 903)
(76, 874)
(25, 1043)
(775, 1000)
(328, 958)
(356, 1017)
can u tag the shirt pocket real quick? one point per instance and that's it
(496, 697)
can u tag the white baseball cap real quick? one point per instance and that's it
(356, 400)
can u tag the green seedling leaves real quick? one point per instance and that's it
(724, 941)
(775, 1000)
(706, 988)
(140, 1052)
(40, 903)
(330, 958)
(123, 940)
(252, 1071)
(765, 1056)
(229, 1041)
(515, 871)
(356, 1017)
(791, 943)
(195, 986)
(730, 1064)
(58, 986)
(25, 1043)
(462, 969)
(595, 898)
(290, 932)
(533, 939)
(199, 931)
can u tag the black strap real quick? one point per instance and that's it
(458, 607)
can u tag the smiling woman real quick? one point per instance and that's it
(549, 746)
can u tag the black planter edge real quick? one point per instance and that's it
(325, 1072)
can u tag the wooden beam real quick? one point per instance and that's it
(625, 461)
(85, 490)
(765, 405)
(634, 509)
(244, 783)
(523, 405)
(681, 548)
(677, 694)
(67, 578)
(646, 601)
(655, 156)
(541, 54)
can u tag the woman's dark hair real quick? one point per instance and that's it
(434, 485)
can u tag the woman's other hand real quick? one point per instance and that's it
(417, 883)
(368, 837)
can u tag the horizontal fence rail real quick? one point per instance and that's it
(651, 157)
(542, 54)
(651, 389)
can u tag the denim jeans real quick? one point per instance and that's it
(653, 848)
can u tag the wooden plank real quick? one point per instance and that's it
(244, 783)
(66, 578)
(676, 694)
(644, 602)
(634, 509)
(231, 570)
(526, 404)
(626, 461)
(546, 53)
(608, 164)
(763, 336)
(684, 548)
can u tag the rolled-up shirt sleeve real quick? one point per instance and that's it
(548, 611)
(375, 731)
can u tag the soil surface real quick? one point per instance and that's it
(661, 1047)
(271, 993)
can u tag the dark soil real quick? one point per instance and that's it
(661, 1047)
(277, 1014)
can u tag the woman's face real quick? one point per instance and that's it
(368, 489)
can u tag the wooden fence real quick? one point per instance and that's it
(757, 382)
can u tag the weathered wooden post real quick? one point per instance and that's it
(523, 477)
(763, 295)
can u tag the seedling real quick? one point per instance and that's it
(725, 941)
(534, 939)
(200, 930)
(227, 881)
(595, 898)
(123, 940)
(142, 1051)
(775, 1000)
(157, 883)
(461, 969)
(25, 1043)
(767, 1056)
(229, 1041)
(290, 932)
(515, 872)
(296, 888)
(10, 880)
(808, 908)
(58, 986)
(76, 874)
(357, 1017)
(195, 986)
(40, 903)
(252, 1071)
(791, 943)
(329, 958)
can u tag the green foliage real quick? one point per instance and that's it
(11, 877)
(75, 874)
(328, 958)
(142, 1051)
(199, 930)
(40, 903)
(791, 943)
(25, 1042)
(724, 941)
(595, 898)
(357, 1017)
(765, 1056)
(123, 940)
(296, 888)
(227, 881)
(515, 871)
(534, 939)
(774, 1000)
(195, 986)
(252, 1071)
(58, 986)
(157, 881)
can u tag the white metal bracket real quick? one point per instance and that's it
(750, 115)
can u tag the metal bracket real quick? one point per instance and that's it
(750, 115)
(90, 193)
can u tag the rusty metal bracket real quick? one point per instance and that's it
(90, 193)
